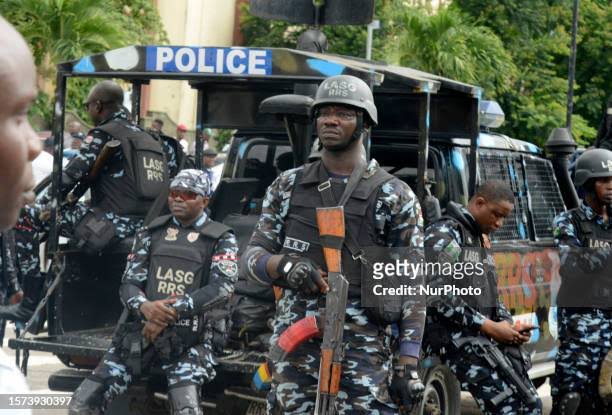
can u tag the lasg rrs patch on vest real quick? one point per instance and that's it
(296, 244)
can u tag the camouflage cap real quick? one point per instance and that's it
(192, 179)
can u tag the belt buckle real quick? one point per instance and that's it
(324, 186)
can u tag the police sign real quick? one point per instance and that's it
(235, 61)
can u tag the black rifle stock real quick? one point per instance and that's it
(331, 231)
(484, 348)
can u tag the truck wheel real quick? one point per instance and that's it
(442, 394)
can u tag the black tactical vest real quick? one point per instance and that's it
(473, 251)
(179, 263)
(145, 172)
(301, 231)
(594, 289)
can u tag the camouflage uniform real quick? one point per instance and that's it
(367, 363)
(9, 283)
(196, 364)
(32, 228)
(585, 334)
(450, 317)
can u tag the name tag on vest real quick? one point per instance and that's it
(296, 244)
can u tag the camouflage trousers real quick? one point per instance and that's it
(194, 367)
(31, 229)
(585, 337)
(365, 368)
(486, 383)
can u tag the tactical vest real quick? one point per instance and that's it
(313, 189)
(594, 289)
(179, 263)
(473, 251)
(145, 172)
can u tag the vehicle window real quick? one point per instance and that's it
(505, 166)
(544, 195)
(537, 197)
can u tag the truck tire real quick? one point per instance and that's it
(442, 394)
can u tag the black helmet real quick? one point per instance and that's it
(347, 90)
(592, 164)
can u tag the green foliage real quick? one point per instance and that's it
(447, 44)
(222, 137)
(64, 30)
(537, 35)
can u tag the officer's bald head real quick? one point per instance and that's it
(108, 93)
(104, 99)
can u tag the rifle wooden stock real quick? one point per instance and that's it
(331, 233)
(331, 225)
(107, 151)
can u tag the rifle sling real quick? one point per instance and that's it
(329, 200)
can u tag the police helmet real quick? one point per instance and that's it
(593, 164)
(347, 90)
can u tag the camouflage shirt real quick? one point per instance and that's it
(220, 282)
(82, 163)
(398, 222)
(566, 237)
(443, 238)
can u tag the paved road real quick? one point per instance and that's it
(42, 365)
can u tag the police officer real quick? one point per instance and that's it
(451, 318)
(180, 267)
(285, 246)
(584, 238)
(121, 196)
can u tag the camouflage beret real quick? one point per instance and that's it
(192, 179)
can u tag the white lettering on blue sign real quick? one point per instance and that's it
(235, 61)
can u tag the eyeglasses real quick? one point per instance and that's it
(344, 115)
(183, 194)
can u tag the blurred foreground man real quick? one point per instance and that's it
(461, 327)
(19, 145)
(130, 179)
(181, 267)
(285, 250)
(584, 238)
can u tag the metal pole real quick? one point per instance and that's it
(136, 94)
(58, 153)
(572, 68)
(199, 142)
(374, 25)
(474, 134)
(424, 113)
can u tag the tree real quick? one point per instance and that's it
(63, 30)
(447, 44)
(536, 34)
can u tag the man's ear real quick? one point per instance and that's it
(205, 201)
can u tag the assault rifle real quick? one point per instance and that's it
(485, 349)
(331, 233)
(331, 321)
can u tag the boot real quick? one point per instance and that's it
(184, 400)
(87, 398)
(23, 311)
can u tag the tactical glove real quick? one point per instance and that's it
(406, 388)
(300, 273)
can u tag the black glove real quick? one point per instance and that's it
(406, 388)
(300, 273)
